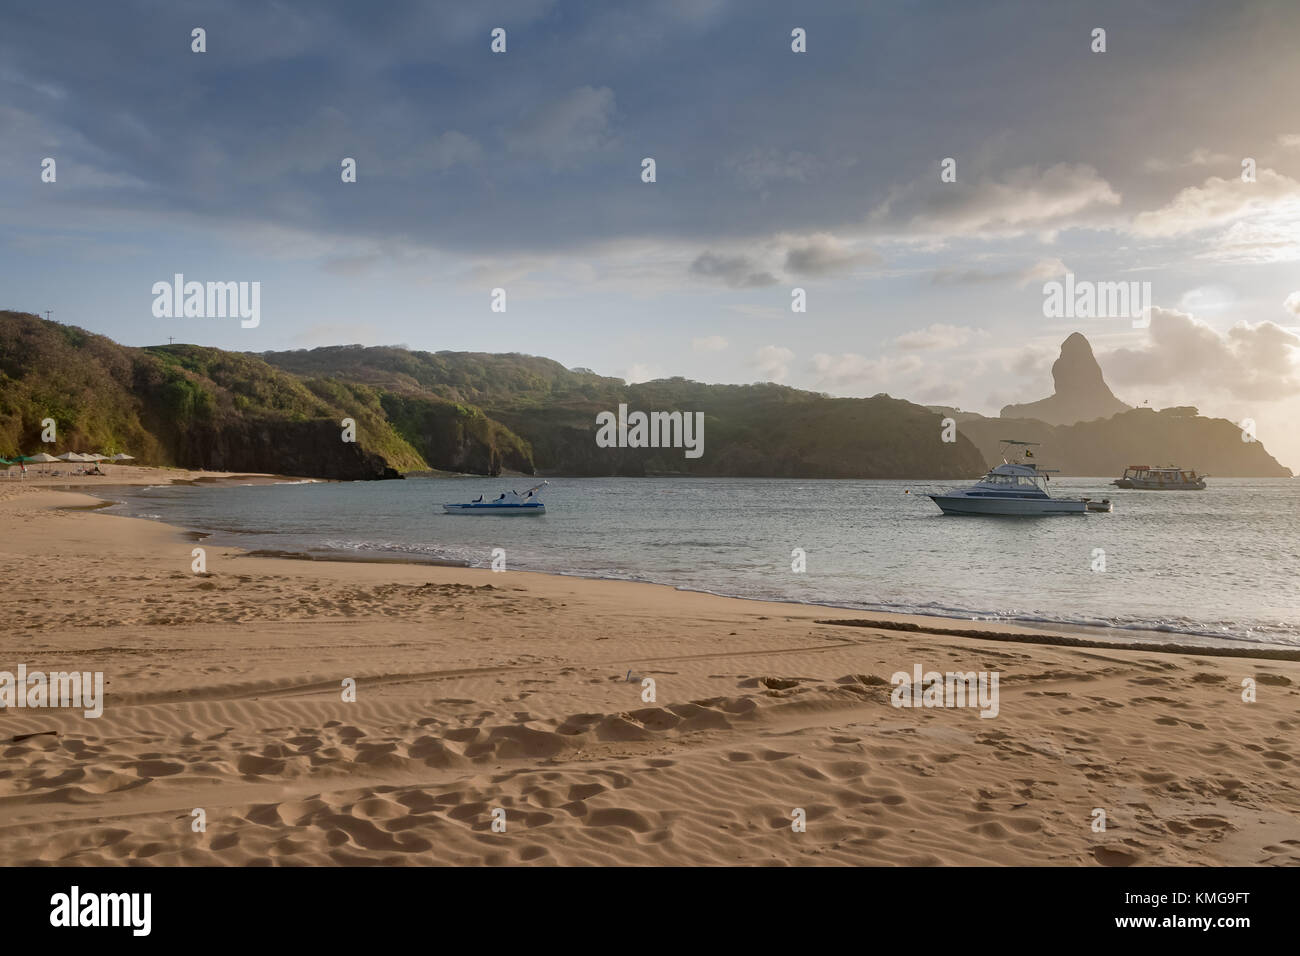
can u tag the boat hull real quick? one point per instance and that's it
(491, 508)
(1008, 507)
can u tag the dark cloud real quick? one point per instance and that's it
(539, 149)
(823, 255)
(739, 272)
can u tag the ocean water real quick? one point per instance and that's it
(1222, 563)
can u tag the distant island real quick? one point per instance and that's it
(1085, 430)
(471, 412)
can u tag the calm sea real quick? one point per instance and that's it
(1221, 563)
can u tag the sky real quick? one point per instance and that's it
(775, 170)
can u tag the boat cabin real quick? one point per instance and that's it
(1011, 481)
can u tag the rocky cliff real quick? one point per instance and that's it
(1079, 437)
(1081, 392)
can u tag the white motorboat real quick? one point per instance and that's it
(1014, 488)
(509, 503)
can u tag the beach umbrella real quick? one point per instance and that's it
(69, 456)
(121, 457)
(43, 458)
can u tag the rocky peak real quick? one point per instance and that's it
(1081, 393)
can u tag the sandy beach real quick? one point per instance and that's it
(479, 691)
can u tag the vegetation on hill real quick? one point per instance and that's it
(750, 430)
(283, 412)
(474, 378)
(183, 405)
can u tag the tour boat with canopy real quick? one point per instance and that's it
(1171, 478)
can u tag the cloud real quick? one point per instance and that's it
(452, 148)
(567, 129)
(938, 336)
(1033, 361)
(1027, 200)
(1250, 362)
(357, 265)
(773, 362)
(760, 167)
(1273, 237)
(1217, 202)
(1204, 299)
(640, 372)
(824, 255)
(853, 371)
(818, 255)
(767, 312)
(1260, 221)
(950, 276)
(1041, 270)
(737, 271)
(709, 343)
(943, 393)
(1289, 140)
(1200, 156)
(1292, 303)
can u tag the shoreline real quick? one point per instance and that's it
(1070, 633)
(339, 713)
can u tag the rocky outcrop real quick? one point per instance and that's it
(303, 449)
(1081, 392)
(1105, 447)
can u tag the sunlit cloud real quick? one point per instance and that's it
(1026, 200)
(939, 336)
(773, 362)
(1256, 362)
(709, 343)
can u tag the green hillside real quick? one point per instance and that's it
(762, 430)
(282, 413)
(187, 406)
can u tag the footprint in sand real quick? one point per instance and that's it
(1114, 856)
(619, 817)
(584, 791)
